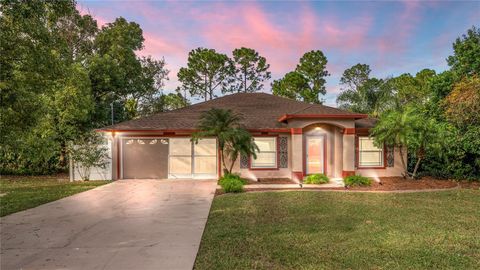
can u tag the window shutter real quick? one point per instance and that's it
(243, 162)
(390, 156)
(283, 152)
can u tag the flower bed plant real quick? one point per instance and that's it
(318, 178)
(357, 180)
(232, 183)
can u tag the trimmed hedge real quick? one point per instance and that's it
(357, 180)
(318, 178)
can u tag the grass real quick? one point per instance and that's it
(330, 230)
(24, 193)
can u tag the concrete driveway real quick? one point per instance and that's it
(129, 224)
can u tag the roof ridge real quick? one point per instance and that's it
(303, 109)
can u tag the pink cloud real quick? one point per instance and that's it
(157, 46)
(281, 38)
(282, 43)
(85, 11)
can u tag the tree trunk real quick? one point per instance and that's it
(231, 165)
(420, 156)
(63, 154)
(405, 169)
(223, 159)
(416, 167)
(206, 87)
(245, 80)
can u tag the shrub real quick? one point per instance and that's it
(357, 180)
(318, 178)
(232, 183)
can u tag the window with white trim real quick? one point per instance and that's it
(368, 154)
(266, 153)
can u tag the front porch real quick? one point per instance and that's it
(323, 147)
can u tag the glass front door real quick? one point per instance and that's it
(315, 154)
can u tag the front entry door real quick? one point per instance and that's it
(315, 154)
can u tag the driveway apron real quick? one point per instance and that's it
(128, 224)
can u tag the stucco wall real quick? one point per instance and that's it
(340, 152)
(255, 174)
(396, 170)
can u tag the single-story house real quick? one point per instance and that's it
(294, 139)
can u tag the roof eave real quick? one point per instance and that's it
(312, 116)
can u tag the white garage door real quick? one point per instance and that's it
(189, 160)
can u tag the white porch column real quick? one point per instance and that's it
(297, 154)
(348, 152)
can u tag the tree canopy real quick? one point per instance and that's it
(60, 75)
(207, 71)
(466, 57)
(363, 94)
(307, 82)
(251, 70)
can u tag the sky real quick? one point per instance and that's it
(393, 37)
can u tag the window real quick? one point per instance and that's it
(266, 154)
(369, 155)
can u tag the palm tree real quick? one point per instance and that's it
(410, 128)
(393, 129)
(226, 126)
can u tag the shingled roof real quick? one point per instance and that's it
(259, 111)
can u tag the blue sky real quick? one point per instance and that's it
(393, 37)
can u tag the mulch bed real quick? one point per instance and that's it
(400, 183)
(271, 181)
(386, 184)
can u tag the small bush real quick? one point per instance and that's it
(357, 180)
(319, 178)
(232, 183)
(231, 176)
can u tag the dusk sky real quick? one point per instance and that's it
(392, 37)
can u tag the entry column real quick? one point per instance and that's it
(348, 152)
(297, 154)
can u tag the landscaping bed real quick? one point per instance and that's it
(400, 183)
(271, 181)
(338, 230)
(386, 184)
(18, 193)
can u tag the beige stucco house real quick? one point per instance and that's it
(294, 139)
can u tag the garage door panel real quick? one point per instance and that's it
(205, 165)
(193, 160)
(144, 159)
(180, 165)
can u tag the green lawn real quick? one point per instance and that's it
(327, 230)
(18, 194)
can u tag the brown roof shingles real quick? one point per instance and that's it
(259, 111)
